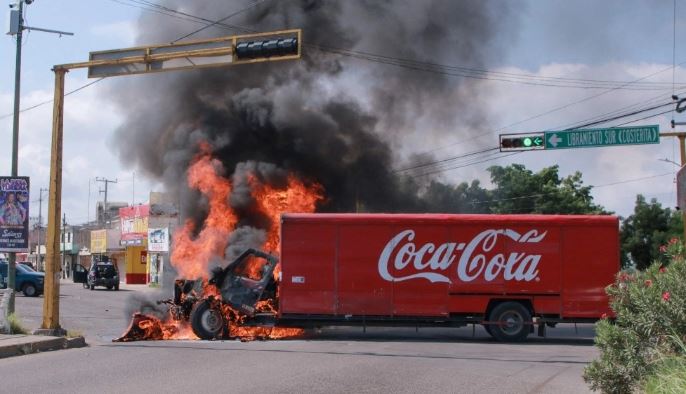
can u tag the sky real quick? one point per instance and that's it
(609, 40)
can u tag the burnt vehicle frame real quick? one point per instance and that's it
(210, 317)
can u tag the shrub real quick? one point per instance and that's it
(15, 325)
(649, 325)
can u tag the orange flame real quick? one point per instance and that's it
(191, 256)
(296, 197)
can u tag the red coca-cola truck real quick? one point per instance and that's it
(510, 273)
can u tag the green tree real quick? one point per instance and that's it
(643, 232)
(462, 198)
(519, 190)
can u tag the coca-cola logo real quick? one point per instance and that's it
(431, 260)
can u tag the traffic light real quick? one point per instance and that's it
(266, 48)
(516, 142)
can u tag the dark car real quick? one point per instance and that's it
(27, 280)
(101, 273)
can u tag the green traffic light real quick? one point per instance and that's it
(527, 141)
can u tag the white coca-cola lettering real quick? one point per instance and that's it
(473, 262)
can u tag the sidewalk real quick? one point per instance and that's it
(17, 345)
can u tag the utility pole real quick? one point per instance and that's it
(17, 28)
(15, 141)
(106, 181)
(682, 151)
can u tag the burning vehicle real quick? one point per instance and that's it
(245, 286)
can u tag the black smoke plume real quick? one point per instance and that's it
(330, 118)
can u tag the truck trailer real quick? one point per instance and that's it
(510, 273)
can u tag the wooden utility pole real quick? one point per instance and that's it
(681, 135)
(51, 296)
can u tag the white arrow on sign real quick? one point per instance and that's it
(554, 140)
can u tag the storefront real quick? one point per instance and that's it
(134, 236)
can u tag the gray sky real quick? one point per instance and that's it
(609, 40)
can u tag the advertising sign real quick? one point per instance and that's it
(158, 239)
(134, 224)
(99, 241)
(14, 214)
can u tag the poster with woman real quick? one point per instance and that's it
(14, 214)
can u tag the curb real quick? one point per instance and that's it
(30, 344)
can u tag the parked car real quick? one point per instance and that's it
(27, 280)
(101, 273)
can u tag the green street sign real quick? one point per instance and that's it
(591, 138)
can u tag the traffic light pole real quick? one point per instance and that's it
(151, 59)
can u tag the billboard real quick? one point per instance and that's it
(99, 241)
(134, 224)
(158, 239)
(14, 214)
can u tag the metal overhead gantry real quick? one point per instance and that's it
(217, 52)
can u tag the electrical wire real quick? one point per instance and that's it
(464, 165)
(450, 70)
(444, 160)
(50, 101)
(100, 79)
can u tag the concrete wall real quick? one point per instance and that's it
(4, 305)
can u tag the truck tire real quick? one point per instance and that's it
(513, 321)
(29, 290)
(207, 322)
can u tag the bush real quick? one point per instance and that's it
(649, 325)
(15, 325)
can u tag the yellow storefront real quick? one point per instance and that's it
(134, 234)
(136, 264)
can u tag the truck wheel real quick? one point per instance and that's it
(513, 321)
(29, 290)
(207, 322)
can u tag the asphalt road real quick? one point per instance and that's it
(332, 361)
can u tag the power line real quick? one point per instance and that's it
(249, 7)
(444, 160)
(450, 70)
(50, 101)
(463, 165)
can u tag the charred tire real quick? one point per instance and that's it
(29, 290)
(207, 322)
(513, 322)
